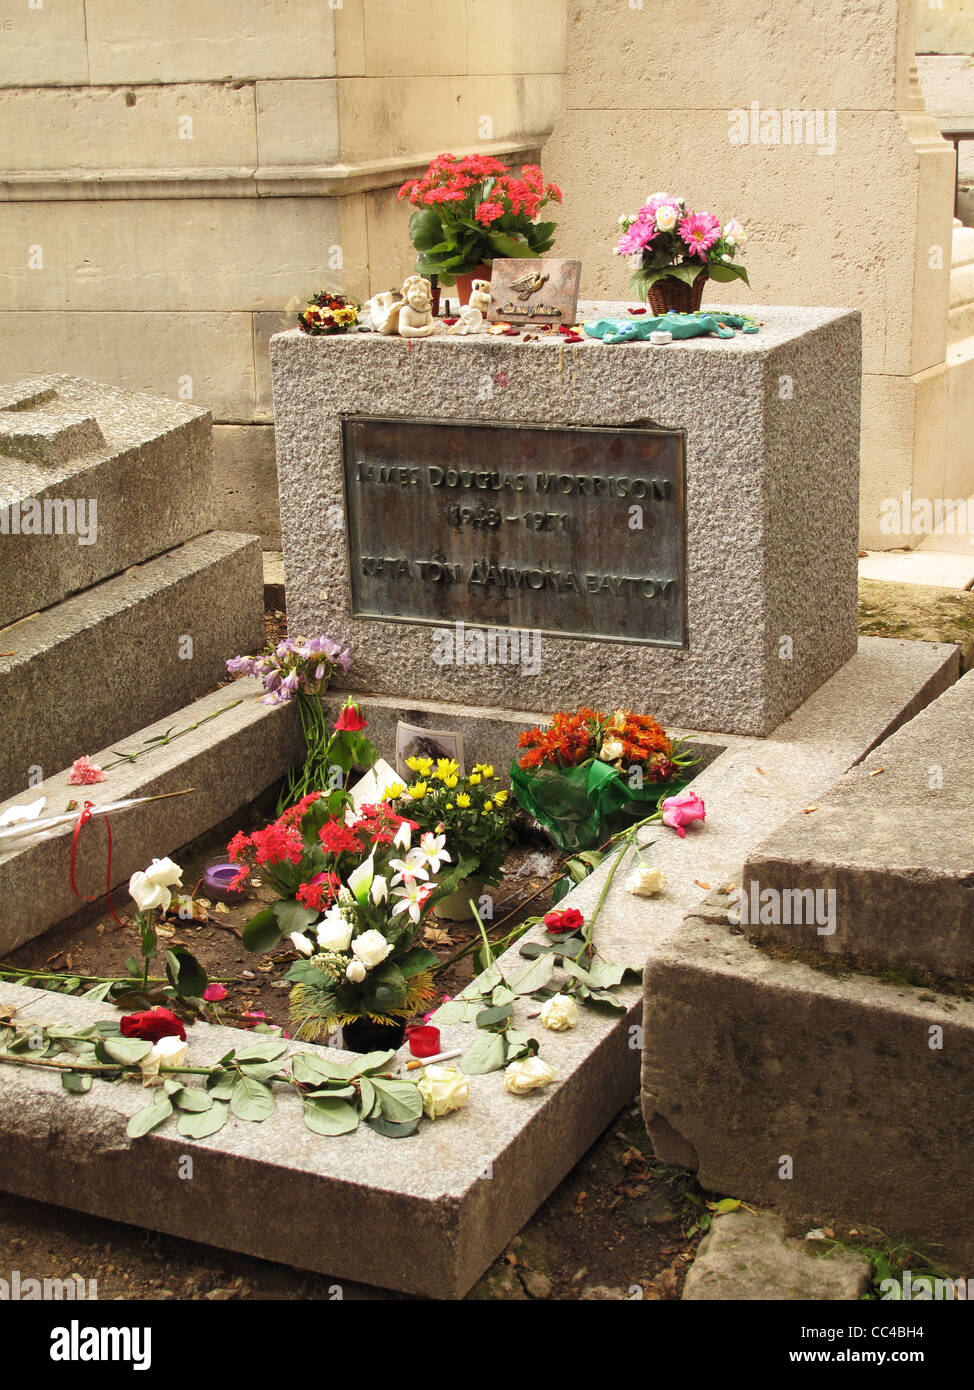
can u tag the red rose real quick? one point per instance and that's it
(568, 920)
(152, 1024)
(349, 721)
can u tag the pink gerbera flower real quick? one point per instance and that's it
(638, 235)
(84, 773)
(699, 231)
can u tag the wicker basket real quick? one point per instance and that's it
(670, 293)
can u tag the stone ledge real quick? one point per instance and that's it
(748, 1060)
(99, 665)
(228, 761)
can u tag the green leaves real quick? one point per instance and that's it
(292, 916)
(488, 1053)
(327, 1115)
(262, 932)
(251, 1099)
(150, 1117)
(129, 1051)
(76, 1082)
(537, 975)
(200, 1124)
(184, 972)
(399, 1101)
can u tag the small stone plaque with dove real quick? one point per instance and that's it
(534, 291)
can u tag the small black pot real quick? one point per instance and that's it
(365, 1036)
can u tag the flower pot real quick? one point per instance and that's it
(671, 294)
(455, 907)
(465, 282)
(365, 1036)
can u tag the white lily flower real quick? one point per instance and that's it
(403, 837)
(380, 889)
(411, 897)
(413, 866)
(432, 846)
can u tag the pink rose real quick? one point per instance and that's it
(682, 810)
(214, 993)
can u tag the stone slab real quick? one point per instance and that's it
(747, 1255)
(139, 467)
(329, 1205)
(750, 1061)
(98, 666)
(239, 747)
(752, 462)
(894, 842)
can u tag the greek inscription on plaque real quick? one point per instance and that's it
(576, 532)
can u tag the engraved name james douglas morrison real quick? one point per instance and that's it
(500, 484)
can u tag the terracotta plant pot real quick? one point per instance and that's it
(365, 1036)
(455, 907)
(465, 282)
(670, 294)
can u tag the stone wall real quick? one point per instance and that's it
(859, 217)
(175, 176)
(945, 60)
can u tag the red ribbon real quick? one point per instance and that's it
(83, 819)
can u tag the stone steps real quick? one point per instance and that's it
(240, 749)
(119, 476)
(893, 844)
(841, 1096)
(96, 667)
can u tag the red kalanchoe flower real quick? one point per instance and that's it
(570, 919)
(336, 838)
(350, 720)
(152, 1024)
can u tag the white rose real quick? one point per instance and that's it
(356, 972)
(371, 948)
(611, 750)
(379, 890)
(559, 1013)
(147, 894)
(164, 872)
(443, 1089)
(170, 1052)
(645, 880)
(334, 932)
(529, 1074)
(666, 217)
(302, 943)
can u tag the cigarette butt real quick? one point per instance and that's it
(440, 1057)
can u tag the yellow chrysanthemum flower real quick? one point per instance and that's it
(474, 779)
(445, 768)
(417, 791)
(463, 800)
(449, 805)
(488, 805)
(424, 766)
(450, 781)
(500, 797)
(393, 790)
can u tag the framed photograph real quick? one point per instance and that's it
(533, 292)
(415, 742)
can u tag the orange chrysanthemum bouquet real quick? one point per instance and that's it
(588, 774)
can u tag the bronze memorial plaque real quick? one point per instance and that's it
(576, 532)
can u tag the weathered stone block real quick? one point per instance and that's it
(92, 480)
(746, 1255)
(761, 637)
(888, 853)
(829, 1098)
(244, 494)
(94, 668)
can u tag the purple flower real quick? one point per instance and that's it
(290, 683)
(242, 666)
(320, 671)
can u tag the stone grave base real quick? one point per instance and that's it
(427, 1215)
(752, 1061)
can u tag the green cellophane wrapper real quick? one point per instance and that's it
(582, 806)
